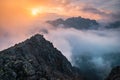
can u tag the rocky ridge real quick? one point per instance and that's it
(36, 59)
(76, 23)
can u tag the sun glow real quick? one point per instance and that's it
(35, 11)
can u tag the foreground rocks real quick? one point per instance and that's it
(36, 59)
(114, 74)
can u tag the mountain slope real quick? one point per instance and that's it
(114, 74)
(75, 22)
(114, 25)
(36, 59)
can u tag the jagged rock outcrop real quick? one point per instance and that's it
(36, 59)
(75, 22)
(114, 74)
(114, 25)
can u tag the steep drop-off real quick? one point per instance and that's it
(36, 59)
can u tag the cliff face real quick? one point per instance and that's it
(114, 74)
(75, 22)
(36, 59)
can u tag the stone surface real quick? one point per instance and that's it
(114, 74)
(36, 59)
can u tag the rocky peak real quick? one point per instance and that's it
(36, 59)
(75, 22)
(38, 37)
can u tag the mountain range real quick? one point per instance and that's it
(37, 59)
(80, 23)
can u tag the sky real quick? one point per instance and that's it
(17, 14)
(20, 19)
(30, 9)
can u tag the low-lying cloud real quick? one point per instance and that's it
(94, 52)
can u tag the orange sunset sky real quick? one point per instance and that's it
(32, 8)
(18, 12)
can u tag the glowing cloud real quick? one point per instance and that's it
(35, 11)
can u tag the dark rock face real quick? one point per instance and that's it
(36, 59)
(75, 22)
(114, 74)
(114, 25)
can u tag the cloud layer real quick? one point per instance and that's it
(94, 52)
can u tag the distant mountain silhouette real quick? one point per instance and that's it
(113, 25)
(75, 22)
(36, 59)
